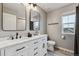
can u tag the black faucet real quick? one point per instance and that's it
(12, 38)
(16, 35)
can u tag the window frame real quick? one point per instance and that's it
(73, 13)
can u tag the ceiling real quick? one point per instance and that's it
(51, 6)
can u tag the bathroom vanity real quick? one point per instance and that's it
(33, 46)
(14, 18)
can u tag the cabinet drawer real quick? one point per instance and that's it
(34, 43)
(36, 54)
(44, 38)
(16, 50)
(33, 51)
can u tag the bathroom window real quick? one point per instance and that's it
(68, 24)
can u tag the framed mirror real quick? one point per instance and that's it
(14, 16)
(34, 20)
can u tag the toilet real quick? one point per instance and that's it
(51, 45)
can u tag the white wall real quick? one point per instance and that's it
(42, 30)
(54, 31)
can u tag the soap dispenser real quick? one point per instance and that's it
(29, 34)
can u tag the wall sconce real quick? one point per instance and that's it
(33, 6)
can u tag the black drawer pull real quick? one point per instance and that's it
(36, 53)
(35, 48)
(20, 49)
(35, 42)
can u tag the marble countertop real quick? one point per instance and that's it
(7, 43)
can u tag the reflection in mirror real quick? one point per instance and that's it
(35, 20)
(14, 16)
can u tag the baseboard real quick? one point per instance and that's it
(66, 50)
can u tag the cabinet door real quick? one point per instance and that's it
(17, 50)
(2, 52)
(43, 46)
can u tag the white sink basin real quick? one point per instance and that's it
(6, 39)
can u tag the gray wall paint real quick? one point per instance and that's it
(24, 33)
(54, 31)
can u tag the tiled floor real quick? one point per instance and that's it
(56, 53)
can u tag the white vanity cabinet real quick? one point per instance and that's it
(33, 47)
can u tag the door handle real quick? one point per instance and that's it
(43, 45)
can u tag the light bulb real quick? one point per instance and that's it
(35, 8)
(31, 6)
